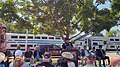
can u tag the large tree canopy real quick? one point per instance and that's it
(56, 17)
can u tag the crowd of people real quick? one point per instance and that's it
(88, 57)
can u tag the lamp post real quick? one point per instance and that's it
(2, 36)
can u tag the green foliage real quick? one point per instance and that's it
(115, 9)
(113, 33)
(56, 17)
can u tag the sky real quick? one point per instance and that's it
(107, 5)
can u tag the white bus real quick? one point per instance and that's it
(111, 42)
(31, 40)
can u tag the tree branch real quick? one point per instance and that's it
(75, 35)
(82, 36)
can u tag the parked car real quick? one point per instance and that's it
(55, 50)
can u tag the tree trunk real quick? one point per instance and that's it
(67, 32)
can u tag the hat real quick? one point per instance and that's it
(18, 53)
(67, 55)
(2, 56)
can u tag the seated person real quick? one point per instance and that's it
(28, 54)
(101, 53)
(90, 59)
(19, 61)
(68, 56)
(46, 61)
(2, 57)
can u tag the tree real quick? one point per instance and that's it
(113, 33)
(116, 10)
(57, 17)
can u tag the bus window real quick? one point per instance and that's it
(22, 45)
(34, 45)
(57, 38)
(116, 39)
(111, 39)
(44, 37)
(81, 43)
(29, 45)
(13, 45)
(14, 36)
(112, 46)
(22, 37)
(85, 42)
(37, 37)
(51, 37)
(30, 37)
(94, 43)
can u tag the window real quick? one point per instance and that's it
(37, 37)
(22, 45)
(111, 39)
(34, 45)
(14, 36)
(80, 42)
(29, 45)
(85, 42)
(58, 38)
(44, 37)
(116, 39)
(51, 37)
(13, 45)
(23, 37)
(30, 37)
(112, 46)
(94, 43)
(56, 47)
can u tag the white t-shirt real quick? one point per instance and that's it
(71, 64)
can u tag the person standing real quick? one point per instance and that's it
(46, 61)
(67, 45)
(101, 53)
(96, 56)
(28, 54)
(117, 50)
(85, 51)
(2, 57)
(37, 53)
